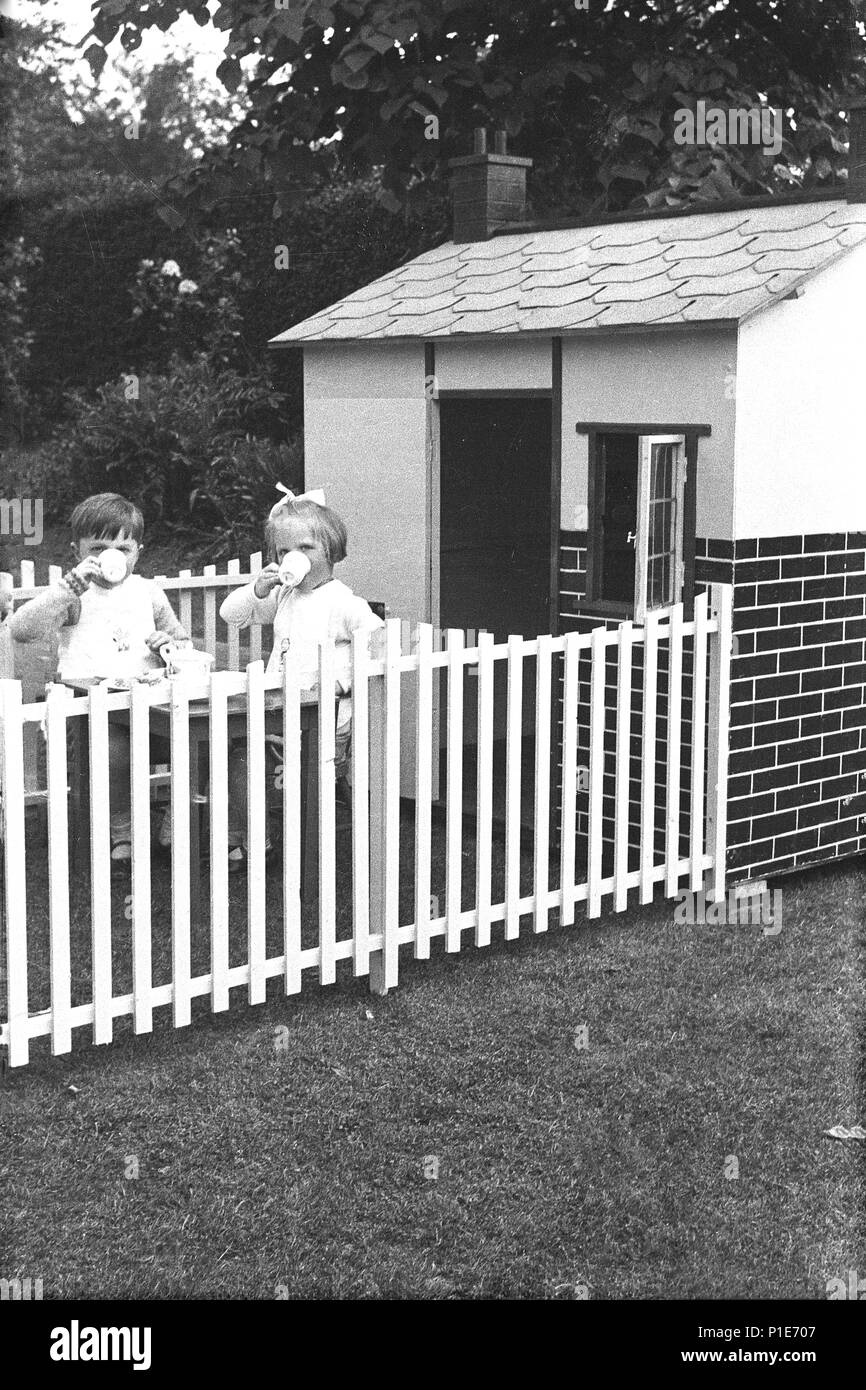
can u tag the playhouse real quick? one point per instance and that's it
(536, 428)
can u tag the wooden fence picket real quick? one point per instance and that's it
(454, 791)
(513, 759)
(541, 860)
(674, 752)
(210, 612)
(185, 603)
(625, 640)
(424, 754)
(568, 802)
(596, 770)
(327, 820)
(361, 802)
(698, 742)
(218, 803)
(139, 766)
(255, 628)
(719, 681)
(58, 868)
(648, 756)
(180, 856)
(385, 816)
(14, 874)
(256, 831)
(233, 641)
(291, 829)
(100, 865)
(484, 791)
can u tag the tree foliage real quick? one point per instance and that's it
(588, 90)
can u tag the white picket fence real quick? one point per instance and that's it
(81, 954)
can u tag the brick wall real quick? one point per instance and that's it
(798, 696)
(798, 702)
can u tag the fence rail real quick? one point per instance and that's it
(82, 951)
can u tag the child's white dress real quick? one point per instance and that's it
(331, 613)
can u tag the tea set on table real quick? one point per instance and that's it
(188, 663)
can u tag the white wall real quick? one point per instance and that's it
(801, 385)
(364, 421)
(517, 363)
(666, 378)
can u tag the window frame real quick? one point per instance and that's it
(687, 436)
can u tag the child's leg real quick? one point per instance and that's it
(120, 821)
(237, 809)
(342, 759)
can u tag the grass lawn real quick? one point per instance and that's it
(300, 1163)
(452, 1140)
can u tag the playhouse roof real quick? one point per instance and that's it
(669, 270)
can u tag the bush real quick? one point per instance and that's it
(90, 275)
(196, 448)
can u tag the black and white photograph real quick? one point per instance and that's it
(433, 668)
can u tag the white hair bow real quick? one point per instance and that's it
(317, 496)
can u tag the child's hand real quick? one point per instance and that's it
(269, 578)
(88, 570)
(157, 640)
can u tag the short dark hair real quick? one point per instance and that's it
(104, 515)
(327, 527)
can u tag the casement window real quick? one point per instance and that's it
(641, 528)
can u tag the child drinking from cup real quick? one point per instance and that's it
(110, 623)
(308, 607)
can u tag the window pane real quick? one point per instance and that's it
(615, 565)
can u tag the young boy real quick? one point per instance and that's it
(105, 629)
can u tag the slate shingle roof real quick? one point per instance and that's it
(668, 270)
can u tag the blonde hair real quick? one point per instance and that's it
(326, 525)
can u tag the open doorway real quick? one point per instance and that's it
(494, 568)
(494, 510)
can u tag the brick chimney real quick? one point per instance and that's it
(856, 191)
(488, 190)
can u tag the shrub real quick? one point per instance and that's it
(174, 315)
(175, 443)
(242, 488)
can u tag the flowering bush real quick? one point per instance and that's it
(176, 313)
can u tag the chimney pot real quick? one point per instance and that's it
(479, 140)
(500, 142)
(856, 190)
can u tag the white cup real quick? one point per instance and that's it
(294, 567)
(186, 661)
(113, 565)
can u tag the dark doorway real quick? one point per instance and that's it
(495, 515)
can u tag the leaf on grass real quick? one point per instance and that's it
(843, 1132)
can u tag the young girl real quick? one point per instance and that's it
(318, 610)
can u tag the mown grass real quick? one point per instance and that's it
(288, 1150)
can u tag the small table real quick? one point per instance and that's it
(199, 737)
